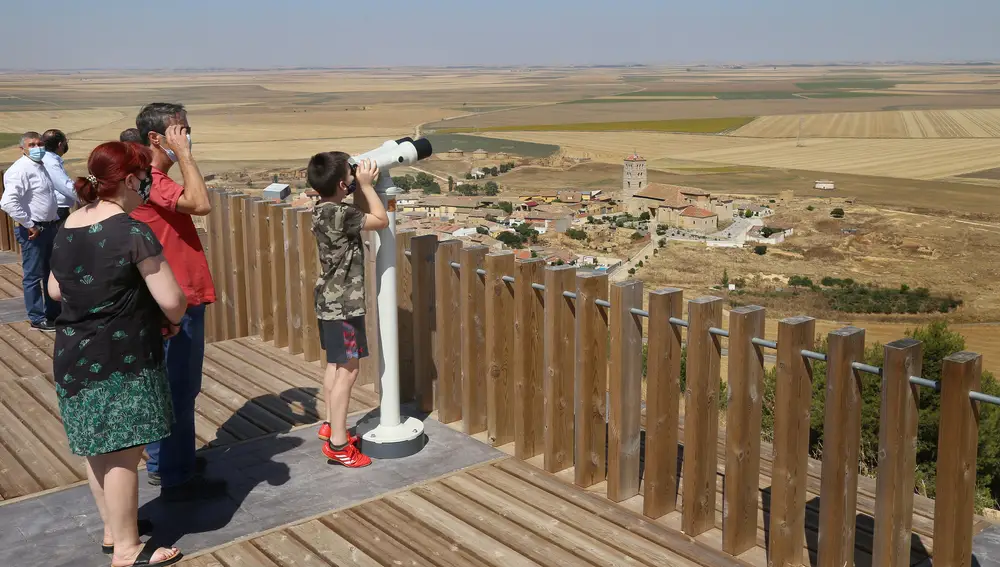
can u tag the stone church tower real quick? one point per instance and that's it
(633, 179)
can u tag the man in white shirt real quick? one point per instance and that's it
(56, 146)
(29, 199)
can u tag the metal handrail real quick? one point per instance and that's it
(814, 355)
(981, 397)
(925, 383)
(718, 332)
(764, 343)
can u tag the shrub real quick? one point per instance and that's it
(590, 219)
(800, 281)
(662, 242)
(725, 278)
(631, 271)
(576, 234)
(938, 343)
(837, 213)
(644, 217)
(636, 235)
(760, 250)
(482, 230)
(505, 207)
(723, 397)
(639, 265)
(810, 208)
(767, 231)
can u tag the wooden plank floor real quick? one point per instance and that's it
(506, 514)
(249, 389)
(10, 281)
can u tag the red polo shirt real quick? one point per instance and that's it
(179, 237)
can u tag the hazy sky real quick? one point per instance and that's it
(330, 33)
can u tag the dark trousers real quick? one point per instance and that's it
(173, 457)
(35, 256)
(63, 212)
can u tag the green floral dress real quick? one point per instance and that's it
(109, 362)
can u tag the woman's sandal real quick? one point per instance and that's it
(147, 553)
(145, 528)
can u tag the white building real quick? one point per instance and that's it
(825, 184)
(279, 191)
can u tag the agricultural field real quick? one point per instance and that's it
(974, 123)
(900, 158)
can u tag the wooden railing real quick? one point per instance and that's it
(550, 360)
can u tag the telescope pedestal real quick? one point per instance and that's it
(386, 436)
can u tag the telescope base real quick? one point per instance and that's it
(381, 442)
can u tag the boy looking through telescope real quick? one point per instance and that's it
(340, 288)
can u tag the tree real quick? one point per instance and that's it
(451, 184)
(725, 278)
(639, 265)
(506, 207)
(403, 182)
(511, 239)
(747, 213)
(810, 208)
(631, 271)
(432, 189)
(760, 250)
(662, 242)
(274, 178)
(767, 231)
(482, 230)
(424, 180)
(644, 216)
(468, 190)
(636, 235)
(534, 254)
(492, 188)
(576, 234)
(837, 213)
(494, 171)
(590, 219)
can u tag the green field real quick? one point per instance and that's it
(629, 100)
(684, 126)
(444, 142)
(847, 94)
(9, 139)
(721, 95)
(875, 84)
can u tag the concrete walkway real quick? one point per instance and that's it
(274, 480)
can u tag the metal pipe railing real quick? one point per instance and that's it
(925, 383)
(981, 397)
(814, 355)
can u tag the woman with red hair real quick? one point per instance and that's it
(119, 299)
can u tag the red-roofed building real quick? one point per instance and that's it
(684, 207)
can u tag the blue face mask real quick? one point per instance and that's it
(36, 154)
(172, 155)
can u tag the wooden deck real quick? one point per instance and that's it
(10, 281)
(249, 389)
(506, 514)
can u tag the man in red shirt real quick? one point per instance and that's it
(164, 128)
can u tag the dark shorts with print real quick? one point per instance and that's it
(343, 340)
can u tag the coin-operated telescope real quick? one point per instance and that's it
(387, 436)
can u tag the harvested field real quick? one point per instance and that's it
(444, 142)
(693, 126)
(973, 123)
(913, 159)
(9, 139)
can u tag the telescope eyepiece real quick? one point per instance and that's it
(424, 148)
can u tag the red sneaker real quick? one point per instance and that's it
(349, 456)
(325, 433)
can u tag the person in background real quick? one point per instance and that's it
(29, 199)
(120, 300)
(130, 135)
(172, 462)
(56, 146)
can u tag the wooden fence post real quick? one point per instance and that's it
(226, 275)
(448, 303)
(958, 443)
(897, 442)
(663, 393)
(425, 335)
(841, 448)
(746, 393)
(251, 267)
(591, 379)
(279, 291)
(293, 284)
(701, 416)
(560, 348)
(625, 395)
(308, 274)
(236, 261)
(215, 321)
(473, 311)
(262, 291)
(529, 359)
(499, 348)
(792, 401)
(404, 315)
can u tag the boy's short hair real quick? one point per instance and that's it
(326, 170)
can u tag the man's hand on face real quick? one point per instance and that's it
(177, 140)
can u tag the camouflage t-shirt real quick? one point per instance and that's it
(340, 289)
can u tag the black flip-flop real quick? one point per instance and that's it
(148, 550)
(145, 528)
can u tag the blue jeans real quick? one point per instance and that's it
(35, 256)
(173, 457)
